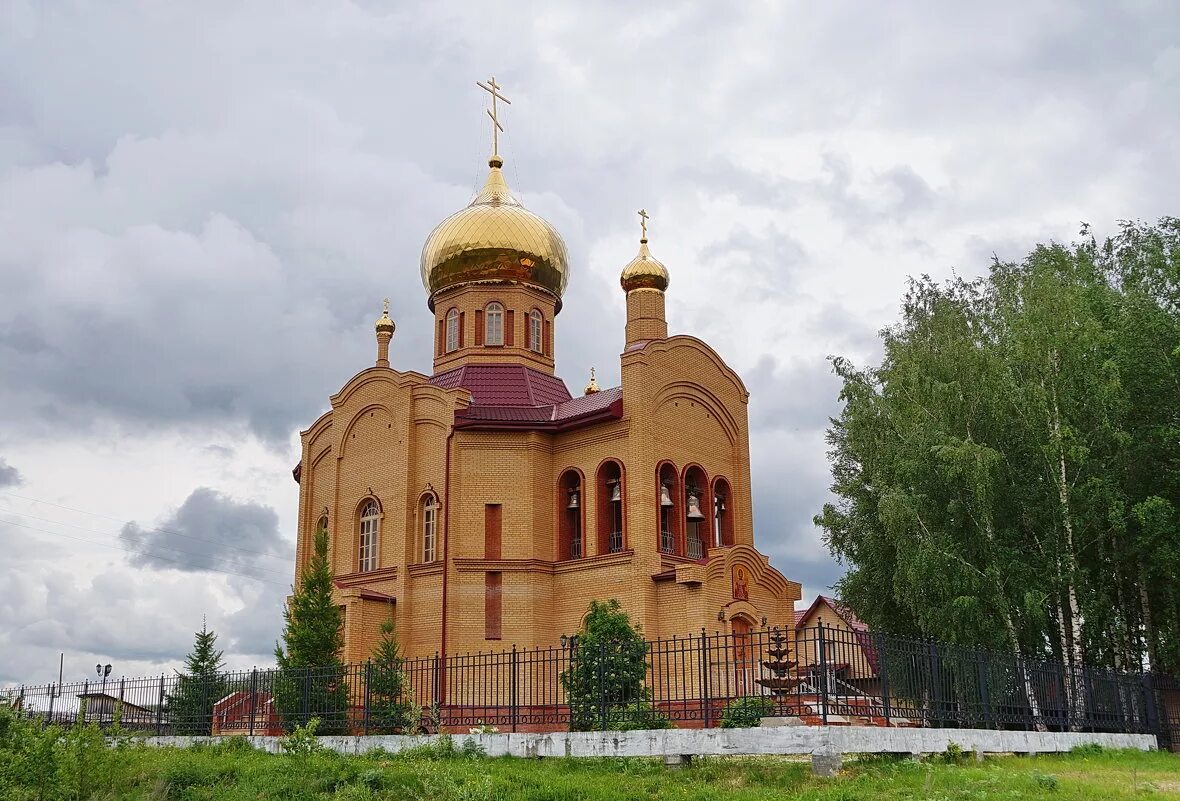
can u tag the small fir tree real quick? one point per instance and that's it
(391, 703)
(605, 684)
(310, 682)
(199, 687)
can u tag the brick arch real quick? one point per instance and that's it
(722, 489)
(666, 472)
(566, 518)
(358, 559)
(611, 517)
(686, 390)
(693, 473)
(358, 418)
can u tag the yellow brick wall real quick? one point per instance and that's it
(387, 436)
(470, 298)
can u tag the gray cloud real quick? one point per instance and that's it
(196, 238)
(212, 532)
(9, 475)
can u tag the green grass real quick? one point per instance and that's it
(222, 772)
(76, 765)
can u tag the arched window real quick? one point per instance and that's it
(722, 513)
(370, 533)
(536, 331)
(696, 490)
(494, 324)
(609, 488)
(429, 526)
(570, 504)
(668, 493)
(452, 330)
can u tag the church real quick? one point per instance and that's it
(485, 506)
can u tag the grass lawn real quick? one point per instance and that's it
(232, 771)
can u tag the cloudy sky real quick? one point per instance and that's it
(201, 209)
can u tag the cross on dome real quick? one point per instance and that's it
(643, 216)
(493, 88)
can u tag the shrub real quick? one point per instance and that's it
(742, 713)
(302, 741)
(605, 683)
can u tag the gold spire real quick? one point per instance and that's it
(644, 271)
(493, 88)
(592, 387)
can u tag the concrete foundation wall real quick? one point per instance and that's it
(723, 742)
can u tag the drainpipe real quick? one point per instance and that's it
(442, 681)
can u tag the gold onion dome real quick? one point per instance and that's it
(644, 271)
(384, 323)
(495, 239)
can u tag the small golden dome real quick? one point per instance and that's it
(495, 239)
(644, 272)
(384, 323)
(592, 387)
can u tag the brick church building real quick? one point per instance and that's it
(484, 506)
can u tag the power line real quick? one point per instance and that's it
(143, 553)
(145, 528)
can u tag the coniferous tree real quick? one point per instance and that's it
(310, 682)
(190, 704)
(391, 701)
(605, 684)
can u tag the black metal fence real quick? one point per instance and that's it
(820, 675)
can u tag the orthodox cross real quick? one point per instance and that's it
(493, 88)
(385, 309)
(643, 215)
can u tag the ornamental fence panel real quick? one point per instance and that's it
(819, 675)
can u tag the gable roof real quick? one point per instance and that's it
(836, 605)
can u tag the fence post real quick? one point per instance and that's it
(935, 684)
(119, 722)
(20, 700)
(368, 697)
(981, 676)
(85, 701)
(512, 699)
(600, 671)
(439, 667)
(253, 698)
(884, 675)
(706, 701)
(160, 708)
(306, 694)
(54, 692)
(823, 670)
(1150, 713)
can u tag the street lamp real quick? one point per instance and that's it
(104, 671)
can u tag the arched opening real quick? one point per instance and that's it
(428, 515)
(494, 324)
(370, 535)
(696, 522)
(722, 513)
(536, 331)
(668, 494)
(741, 626)
(609, 490)
(452, 330)
(570, 516)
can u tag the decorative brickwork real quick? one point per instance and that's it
(505, 505)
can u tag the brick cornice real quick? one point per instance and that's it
(368, 576)
(542, 565)
(425, 568)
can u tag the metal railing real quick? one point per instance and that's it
(820, 675)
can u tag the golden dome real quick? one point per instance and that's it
(384, 323)
(644, 272)
(495, 239)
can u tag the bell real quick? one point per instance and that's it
(573, 499)
(720, 504)
(665, 496)
(694, 508)
(616, 494)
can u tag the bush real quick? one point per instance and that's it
(605, 683)
(742, 713)
(302, 741)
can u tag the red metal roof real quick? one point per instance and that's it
(504, 385)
